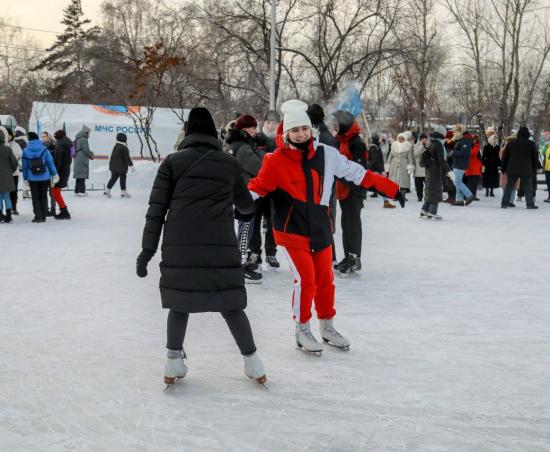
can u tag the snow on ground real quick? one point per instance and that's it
(449, 330)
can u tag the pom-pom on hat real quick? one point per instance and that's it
(294, 115)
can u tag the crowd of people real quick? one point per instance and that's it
(43, 165)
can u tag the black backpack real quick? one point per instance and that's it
(37, 165)
(426, 159)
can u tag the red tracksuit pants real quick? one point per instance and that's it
(313, 282)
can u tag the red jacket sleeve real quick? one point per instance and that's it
(266, 180)
(380, 183)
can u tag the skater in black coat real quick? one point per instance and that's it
(119, 163)
(62, 160)
(192, 200)
(491, 164)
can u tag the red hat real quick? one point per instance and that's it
(246, 121)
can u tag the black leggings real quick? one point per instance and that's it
(80, 186)
(352, 231)
(237, 321)
(13, 194)
(114, 178)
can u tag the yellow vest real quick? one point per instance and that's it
(547, 158)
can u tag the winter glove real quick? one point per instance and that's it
(142, 261)
(245, 218)
(451, 176)
(400, 197)
(133, 169)
(55, 180)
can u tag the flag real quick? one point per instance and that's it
(350, 101)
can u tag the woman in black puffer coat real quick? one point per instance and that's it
(119, 163)
(192, 200)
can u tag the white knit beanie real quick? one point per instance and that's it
(294, 115)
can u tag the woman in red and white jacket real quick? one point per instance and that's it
(299, 176)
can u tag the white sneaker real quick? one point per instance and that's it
(306, 340)
(174, 369)
(124, 194)
(331, 336)
(253, 368)
(107, 193)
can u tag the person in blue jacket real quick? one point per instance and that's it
(38, 173)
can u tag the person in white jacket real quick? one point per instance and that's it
(400, 164)
(419, 171)
(18, 153)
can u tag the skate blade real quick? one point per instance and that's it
(349, 275)
(309, 352)
(253, 281)
(269, 268)
(344, 348)
(170, 382)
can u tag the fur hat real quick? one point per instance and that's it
(246, 121)
(316, 114)
(121, 137)
(294, 115)
(200, 121)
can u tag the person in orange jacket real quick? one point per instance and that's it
(473, 172)
(299, 176)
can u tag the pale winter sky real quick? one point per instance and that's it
(45, 15)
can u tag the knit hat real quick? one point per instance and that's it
(272, 115)
(246, 121)
(200, 121)
(294, 115)
(442, 130)
(121, 137)
(58, 135)
(33, 136)
(344, 120)
(523, 132)
(316, 114)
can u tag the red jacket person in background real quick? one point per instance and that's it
(299, 175)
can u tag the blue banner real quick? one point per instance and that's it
(350, 101)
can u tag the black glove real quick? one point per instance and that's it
(142, 261)
(400, 197)
(245, 218)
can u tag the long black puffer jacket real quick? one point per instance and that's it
(201, 263)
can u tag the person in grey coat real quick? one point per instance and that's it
(435, 172)
(400, 163)
(118, 165)
(81, 169)
(8, 165)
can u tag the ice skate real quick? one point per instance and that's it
(254, 261)
(251, 276)
(272, 264)
(306, 341)
(253, 368)
(434, 216)
(331, 336)
(352, 268)
(424, 215)
(107, 193)
(174, 370)
(125, 194)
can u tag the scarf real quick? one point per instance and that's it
(342, 189)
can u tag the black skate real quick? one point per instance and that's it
(352, 268)
(254, 261)
(272, 263)
(251, 276)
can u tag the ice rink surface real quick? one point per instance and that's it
(449, 327)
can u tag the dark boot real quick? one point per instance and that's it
(51, 212)
(8, 218)
(63, 214)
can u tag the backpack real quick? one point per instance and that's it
(426, 159)
(37, 165)
(73, 149)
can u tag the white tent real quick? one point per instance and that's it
(105, 121)
(8, 120)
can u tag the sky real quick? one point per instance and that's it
(35, 14)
